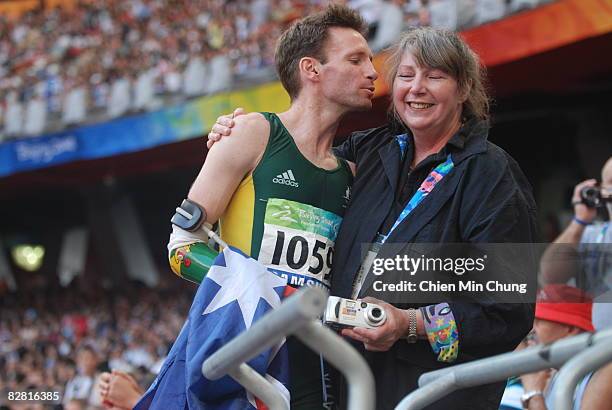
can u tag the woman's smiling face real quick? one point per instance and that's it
(428, 100)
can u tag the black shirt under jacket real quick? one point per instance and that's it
(484, 199)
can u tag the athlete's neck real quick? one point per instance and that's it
(313, 130)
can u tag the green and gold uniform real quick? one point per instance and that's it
(286, 214)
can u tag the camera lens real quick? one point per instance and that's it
(375, 316)
(590, 196)
(364, 305)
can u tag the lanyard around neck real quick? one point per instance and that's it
(435, 176)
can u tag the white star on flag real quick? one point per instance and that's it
(246, 281)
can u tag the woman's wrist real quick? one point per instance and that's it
(421, 331)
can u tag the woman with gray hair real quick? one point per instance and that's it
(430, 176)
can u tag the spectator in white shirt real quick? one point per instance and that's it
(120, 100)
(75, 104)
(390, 27)
(195, 77)
(83, 384)
(36, 116)
(13, 124)
(220, 78)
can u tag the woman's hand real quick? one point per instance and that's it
(223, 127)
(382, 338)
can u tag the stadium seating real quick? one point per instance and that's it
(130, 56)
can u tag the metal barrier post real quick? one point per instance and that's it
(574, 370)
(259, 386)
(344, 358)
(429, 393)
(499, 368)
(296, 311)
(299, 309)
(526, 361)
(297, 315)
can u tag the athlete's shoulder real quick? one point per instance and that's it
(244, 148)
(253, 124)
(249, 135)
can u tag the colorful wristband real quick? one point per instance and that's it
(441, 330)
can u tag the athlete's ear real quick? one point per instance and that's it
(309, 67)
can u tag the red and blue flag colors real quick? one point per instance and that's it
(237, 292)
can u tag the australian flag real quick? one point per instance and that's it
(237, 292)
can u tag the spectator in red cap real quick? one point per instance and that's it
(564, 311)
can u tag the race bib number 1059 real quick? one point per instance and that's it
(298, 241)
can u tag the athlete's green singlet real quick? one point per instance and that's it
(287, 212)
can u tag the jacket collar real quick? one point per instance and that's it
(470, 140)
(474, 135)
(390, 156)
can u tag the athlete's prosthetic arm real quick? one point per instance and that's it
(221, 174)
(188, 251)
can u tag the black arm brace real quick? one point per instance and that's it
(189, 216)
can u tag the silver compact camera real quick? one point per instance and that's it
(342, 313)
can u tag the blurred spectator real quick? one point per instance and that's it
(391, 25)
(582, 254)
(75, 103)
(119, 102)
(14, 115)
(370, 10)
(83, 385)
(144, 90)
(219, 78)
(259, 13)
(195, 77)
(518, 5)
(489, 10)
(172, 78)
(452, 14)
(563, 311)
(35, 113)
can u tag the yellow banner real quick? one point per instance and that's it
(268, 97)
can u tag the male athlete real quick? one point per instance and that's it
(275, 187)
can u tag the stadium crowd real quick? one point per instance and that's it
(60, 341)
(115, 56)
(102, 59)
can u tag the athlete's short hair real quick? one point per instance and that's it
(306, 38)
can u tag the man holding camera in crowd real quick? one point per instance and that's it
(582, 251)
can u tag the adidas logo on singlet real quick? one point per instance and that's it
(286, 178)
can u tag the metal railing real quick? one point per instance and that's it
(575, 369)
(439, 383)
(296, 316)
